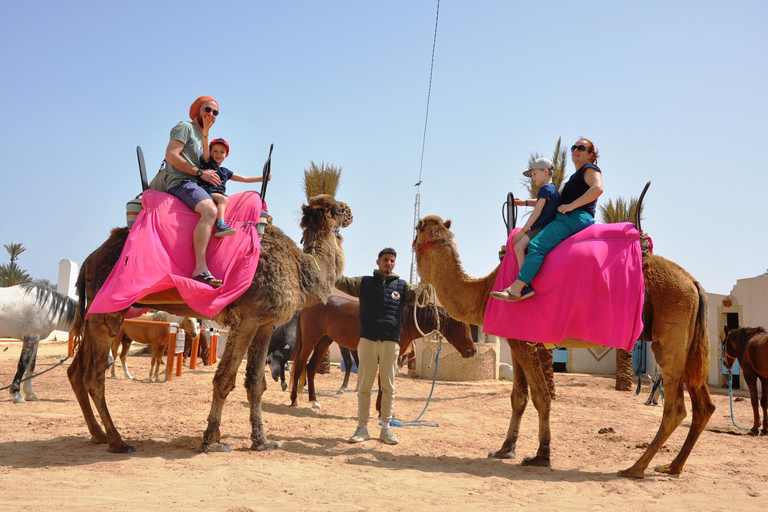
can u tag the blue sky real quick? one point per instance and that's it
(671, 92)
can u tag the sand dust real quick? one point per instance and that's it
(47, 462)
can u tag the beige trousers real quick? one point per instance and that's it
(381, 356)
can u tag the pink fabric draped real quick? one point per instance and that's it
(158, 255)
(590, 288)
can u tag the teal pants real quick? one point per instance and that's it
(564, 225)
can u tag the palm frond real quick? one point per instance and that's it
(619, 211)
(321, 179)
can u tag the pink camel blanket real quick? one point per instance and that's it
(590, 288)
(158, 255)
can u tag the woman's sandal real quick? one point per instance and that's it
(207, 278)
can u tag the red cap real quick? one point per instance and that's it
(222, 142)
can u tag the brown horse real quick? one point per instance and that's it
(339, 321)
(750, 346)
(154, 335)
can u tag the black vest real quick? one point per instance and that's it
(381, 307)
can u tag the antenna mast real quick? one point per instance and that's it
(417, 203)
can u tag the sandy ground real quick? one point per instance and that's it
(47, 462)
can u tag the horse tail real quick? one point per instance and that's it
(301, 379)
(697, 363)
(78, 322)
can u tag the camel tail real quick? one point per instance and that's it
(697, 364)
(76, 334)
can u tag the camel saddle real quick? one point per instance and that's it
(589, 288)
(158, 258)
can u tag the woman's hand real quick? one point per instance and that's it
(565, 208)
(518, 236)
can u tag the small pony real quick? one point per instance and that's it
(749, 345)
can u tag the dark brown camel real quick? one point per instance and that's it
(339, 320)
(676, 321)
(287, 279)
(749, 345)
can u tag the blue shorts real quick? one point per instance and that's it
(190, 193)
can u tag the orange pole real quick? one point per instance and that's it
(193, 355)
(70, 346)
(179, 363)
(214, 346)
(171, 356)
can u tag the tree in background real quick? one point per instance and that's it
(611, 213)
(322, 179)
(559, 162)
(11, 274)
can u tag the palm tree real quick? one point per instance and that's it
(613, 212)
(11, 274)
(322, 179)
(558, 176)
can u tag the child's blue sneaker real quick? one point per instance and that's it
(222, 229)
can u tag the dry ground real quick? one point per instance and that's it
(47, 462)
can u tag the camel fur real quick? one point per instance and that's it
(287, 279)
(677, 326)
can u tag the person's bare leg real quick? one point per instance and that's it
(202, 234)
(221, 205)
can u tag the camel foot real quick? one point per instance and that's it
(284, 386)
(668, 469)
(539, 462)
(99, 438)
(214, 448)
(316, 405)
(502, 454)
(31, 397)
(266, 445)
(121, 448)
(18, 399)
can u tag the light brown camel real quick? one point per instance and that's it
(286, 280)
(676, 320)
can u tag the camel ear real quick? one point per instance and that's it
(448, 224)
(347, 216)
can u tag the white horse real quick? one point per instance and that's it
(30, 312)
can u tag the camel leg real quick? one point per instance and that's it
(702, 408)
(672, 415)
(240, 338)
(519, 399)
(95, 348)
(314, 364)
(76, 375)
(751, 379)
(255, 384)
(28, 349)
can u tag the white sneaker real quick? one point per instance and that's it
(387, 437)
(361, 434)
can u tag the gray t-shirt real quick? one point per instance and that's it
(192, 152)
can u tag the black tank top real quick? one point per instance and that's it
(576, 187)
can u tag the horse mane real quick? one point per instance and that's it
(61, 306)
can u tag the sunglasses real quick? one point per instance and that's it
(209, 110)
(580, 147)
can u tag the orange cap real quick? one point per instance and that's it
(195, 108)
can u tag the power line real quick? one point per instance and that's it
(417, 204)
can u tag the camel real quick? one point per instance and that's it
(286, 279)
(675, 319)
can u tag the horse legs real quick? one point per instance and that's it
(255, 384)
(89, 372)
(26, 361)
(240, 338)
(751, 379)
(314, 363)
(527, 371)
(345, 354)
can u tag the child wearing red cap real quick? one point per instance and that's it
(213, 156)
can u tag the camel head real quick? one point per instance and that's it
(432, 229)
(325, 212)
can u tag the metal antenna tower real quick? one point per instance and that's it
(417, 203)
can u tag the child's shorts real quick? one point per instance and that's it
(532, 233)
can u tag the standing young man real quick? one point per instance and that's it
(183, 170)
(382, 297)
